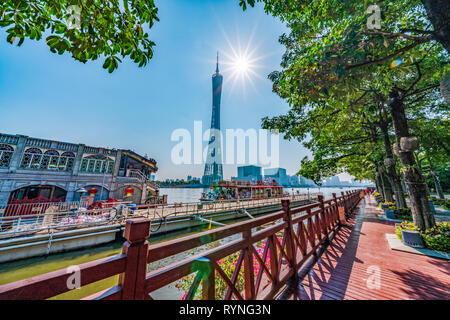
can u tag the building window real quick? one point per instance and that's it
(34, 158)
(50, 160)
(6, 153)
(66, 161)
(97, 164)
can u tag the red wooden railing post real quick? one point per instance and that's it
(344, 199)
(322, 216)
(136, 249)
(290, 242)
(336, 210)
(249, 276)
(208, 281)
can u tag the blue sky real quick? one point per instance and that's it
(55, 97)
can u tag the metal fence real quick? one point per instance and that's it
(20, 225)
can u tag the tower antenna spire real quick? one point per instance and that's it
(217, 65)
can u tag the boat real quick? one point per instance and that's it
(242, 190)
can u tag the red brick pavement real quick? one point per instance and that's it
(358, 264)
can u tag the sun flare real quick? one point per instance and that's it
(241, 64)
(240, 67)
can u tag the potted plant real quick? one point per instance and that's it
(409, 234)
(390, 212)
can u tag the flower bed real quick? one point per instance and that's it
(385, 205)
(437, 238)
(378, 197)
(401, 214)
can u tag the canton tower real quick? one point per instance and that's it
(213, 167)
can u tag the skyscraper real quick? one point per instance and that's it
(213, 167)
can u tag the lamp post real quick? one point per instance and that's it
(80, 192)
(104, 173)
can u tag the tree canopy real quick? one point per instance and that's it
(88, 29)
(355, 87)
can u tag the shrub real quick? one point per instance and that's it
(438, 237)
(403, 214)
(389, 204)
(445, 203)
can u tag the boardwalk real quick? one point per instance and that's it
(349, 266)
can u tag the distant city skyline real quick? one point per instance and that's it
(256, 173)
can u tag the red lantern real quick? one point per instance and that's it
(129, 192)
(92, 191)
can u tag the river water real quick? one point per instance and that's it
(22, 269)
(193, 194)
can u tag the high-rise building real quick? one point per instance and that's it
(249, 173)
(277, 174)
(294, 181)
(213, 167)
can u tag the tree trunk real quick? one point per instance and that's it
(419, 165)
(386, 185)
(415, 184)
(391, 171)
(404, 186)
(438, 12)
(437, 184)
(378, 182)
(377, 186)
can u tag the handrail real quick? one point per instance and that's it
(138, 174)
(290, 239)
(14, 226)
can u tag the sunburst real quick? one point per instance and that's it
(241, 65)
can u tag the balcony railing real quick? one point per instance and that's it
(134, 173)
(21, 209)
(61, 216)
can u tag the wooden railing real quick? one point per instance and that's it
(290, 238)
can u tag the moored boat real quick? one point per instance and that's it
(242, 190)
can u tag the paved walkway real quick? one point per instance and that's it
(360, 265)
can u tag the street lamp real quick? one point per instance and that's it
(104, 173)
(80, 192)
